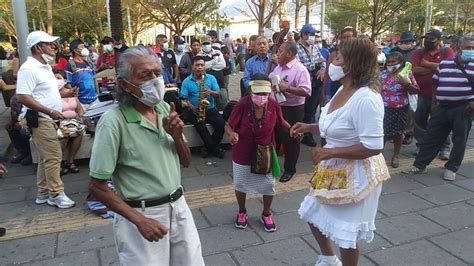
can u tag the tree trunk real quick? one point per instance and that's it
(49, 8)
(297, 13)
(261, 17)
(456, 15)
(307, 11)
(116, 26)
(99, 21)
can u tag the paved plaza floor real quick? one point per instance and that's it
(422, 220)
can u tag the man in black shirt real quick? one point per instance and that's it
(168, 59)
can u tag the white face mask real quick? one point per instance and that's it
(319, 46)
(393, 68)
(61, 83)
(206, 48)
(118, 46)
(46, 57)
(166, 46)
(153, 91)
(85, 52)
(336, 72)
(108, 48)
(311, 40)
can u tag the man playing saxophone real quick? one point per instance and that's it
(198, 93)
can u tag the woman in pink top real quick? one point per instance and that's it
(72, 109)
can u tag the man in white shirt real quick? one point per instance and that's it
(38, 92)
(214, 60)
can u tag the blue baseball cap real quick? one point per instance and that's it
(308, 28)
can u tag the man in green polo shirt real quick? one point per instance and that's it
(140, 145)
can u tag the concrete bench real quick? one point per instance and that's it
(192, 137)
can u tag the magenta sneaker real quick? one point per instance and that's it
(268, 224)
(241, 220)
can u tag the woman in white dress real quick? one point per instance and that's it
(352, 124)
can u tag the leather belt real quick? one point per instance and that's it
(151, 203)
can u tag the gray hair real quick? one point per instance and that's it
(468, 37)
(291, 47)
(124, 71)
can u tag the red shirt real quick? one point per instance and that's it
(250, 133)
(426, 81)
(61, 65)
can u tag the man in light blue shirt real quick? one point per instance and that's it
(191, 98)
(257, 63)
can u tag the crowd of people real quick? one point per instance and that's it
(368, 95)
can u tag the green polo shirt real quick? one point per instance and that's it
(141, 160)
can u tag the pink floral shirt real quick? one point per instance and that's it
(394, 94)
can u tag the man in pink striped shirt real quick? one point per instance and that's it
(295, 84)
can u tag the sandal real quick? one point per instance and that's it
(395, 162)
(73, 168)
(64, 168)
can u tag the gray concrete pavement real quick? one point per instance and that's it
(422, 220)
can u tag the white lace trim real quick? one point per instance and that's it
(342, 233)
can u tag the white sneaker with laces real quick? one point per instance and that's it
(443, 155)
(414, 171)
(61, 201)
(449, 175)
(328, 261)
(41, 199)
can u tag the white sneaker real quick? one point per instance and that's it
(449, 175)
(414, 171)
(41, 199)
(443, 155)
(328, 261)
(61, 201)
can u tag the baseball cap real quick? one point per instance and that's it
(407, 36)
(74, 44)
(36, 37)
(308, 28)
(433, 33)
(178, 40)
(206, 39)
(260, 86)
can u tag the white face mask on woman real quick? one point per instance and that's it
(336, 72)
(152, 90)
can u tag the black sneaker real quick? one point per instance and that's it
(27, 160)
(309, 141)
(286, 177)
(407, 140)
(18, 158)
(219, 153)
(2, 231)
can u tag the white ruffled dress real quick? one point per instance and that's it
(360, 120)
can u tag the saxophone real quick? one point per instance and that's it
(203, 103)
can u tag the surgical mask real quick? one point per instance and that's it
(85, 52)
(61, 83)
(336, 72)
(319, 46)
(393, 68)
(206, 48)
(108, 48)
(166, 46)
(467, 55)
(259, 100)
(118, 46)
(311, 40)
(181, 47)
(405, 46)
(46, 57)
(153, 91)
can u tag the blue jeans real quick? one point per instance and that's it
(443, 120)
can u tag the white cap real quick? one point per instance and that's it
(260, 86)
(36, 37)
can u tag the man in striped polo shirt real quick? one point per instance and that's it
(454, 99)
